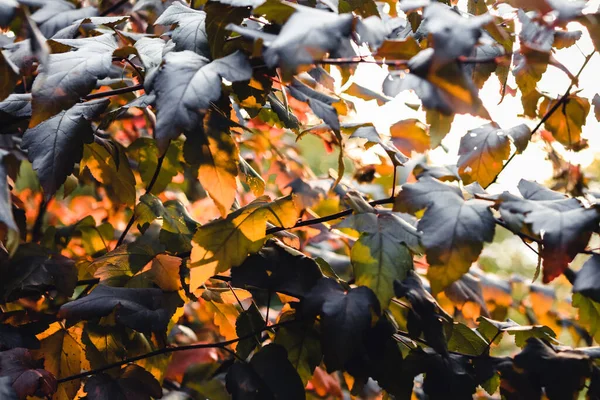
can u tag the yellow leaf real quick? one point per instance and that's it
(225, 243)
(565, 123)
(164, 271)
(218, 170)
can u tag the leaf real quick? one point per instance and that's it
(226, 243)
(482, 153)
(111, 168)
(55, 145)
(6, 214)
(366, 94)
(592, 23)
(25, 375)
(492, 330)
(58, 14)
(7, 12)
(33, 271)
(178, 227)
(321, 104)
(145, 310)
(9, 74)
(466, 340)
(453, 230)
(410, 135)
(164, 271)
(403, 49)
(586, 279)
(268, 375)
(190, 32)
(218, 17)
(559, 373)
(145, 152)
(133, 383)
(294, 46)
(277, 268)
(563, 226)
(303, 346)
(368, 132)
(15, 112)
(62, 352)
(127, 257)
(6, 390)
(596, 104)
(380, 255)
(452, 36)
(345, 318)
(520, 136)
(218, 169)
(68, 76)
(567, 121)
(247, 322)
(588, 314)
(439, 126)
(425, 315)
(186, 84)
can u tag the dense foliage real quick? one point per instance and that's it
(163, 233)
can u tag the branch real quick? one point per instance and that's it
(167, 350)
(148, 190)
(549, 113)
(404, 63)
(326, 218)
(108, 93)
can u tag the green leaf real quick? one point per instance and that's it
(482, 153)
(453, 230)
(110, 166)
(303, 347)
(226, 243)
(588, 314)
(146, 153)
(56, 144)
(380, 255)
(439, 126)
(466, 340)
(178, 227)
(247, 322)
(219, 14)
(492, 330)
(68, 76)
(185, 86)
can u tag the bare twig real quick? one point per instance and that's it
(108, 93)
(113, 8)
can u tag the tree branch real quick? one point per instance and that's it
(404, 63)
(549, 113)
(108, 93)
(167, 350)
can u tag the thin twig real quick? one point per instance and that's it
(148, 190)
(166, 350)
(548, 114)
(403, 63)
(108, 93)
(36, 233)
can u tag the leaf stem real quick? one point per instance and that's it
(167, 350)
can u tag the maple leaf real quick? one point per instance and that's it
(68, 76)
(294, 46)
(56, 144)
(345, 318)
(133, 382)
(454, 230)
(186, 84)
(190, 32)
(482, 152)
(566, 123)
(25, 375)
(380, 255)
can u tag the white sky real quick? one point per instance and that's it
(531, 164)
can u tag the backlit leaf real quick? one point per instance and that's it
(567, 121)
